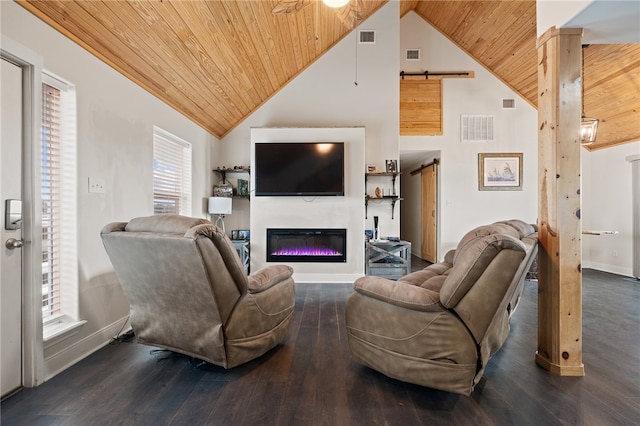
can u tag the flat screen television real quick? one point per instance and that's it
(299, 168)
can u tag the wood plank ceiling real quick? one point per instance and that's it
(218, 61)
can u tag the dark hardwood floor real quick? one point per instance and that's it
(312, 380)
(418, 263)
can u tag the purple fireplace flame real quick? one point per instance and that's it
(307, 251)
(306, 245)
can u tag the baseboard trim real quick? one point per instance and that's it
(312, 278)
(60, 361)
(604, 267)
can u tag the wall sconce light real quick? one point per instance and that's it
(588, 130)
(335, 3)
(220, 206)
(588, 126)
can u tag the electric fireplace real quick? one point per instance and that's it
(306, 245)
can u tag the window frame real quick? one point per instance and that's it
(65, 315)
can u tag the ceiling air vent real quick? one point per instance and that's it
(476, 128)
(413, 54)
(508, 104)
(367, 36)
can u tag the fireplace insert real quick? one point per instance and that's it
(306, 245)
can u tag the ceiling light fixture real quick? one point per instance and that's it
(588, 126)
(335, 3)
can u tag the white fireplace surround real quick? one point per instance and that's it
(315, 212)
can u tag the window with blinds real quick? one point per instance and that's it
(171, 174)
(58, 198)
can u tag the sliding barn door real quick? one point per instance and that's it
(429, 209)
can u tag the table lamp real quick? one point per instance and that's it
(220, 206)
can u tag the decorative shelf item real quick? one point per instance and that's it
(242, 191)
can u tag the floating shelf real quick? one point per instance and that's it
(392, 198)
(223, 172)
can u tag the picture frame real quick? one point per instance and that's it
(500, 171)
(234, 234)
(244, 234)
(391, 166)
(371, 168)
(243, 188)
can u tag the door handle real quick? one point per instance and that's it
(12, 214)
(12, 243)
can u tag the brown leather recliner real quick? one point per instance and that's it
(190, 294)
(439, 327)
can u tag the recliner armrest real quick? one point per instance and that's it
(268, 277)
(399, 294)
(113, 227)
(449, 256)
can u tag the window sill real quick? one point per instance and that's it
(59, 329)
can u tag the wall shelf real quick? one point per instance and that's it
(392, 198)
(223, 171)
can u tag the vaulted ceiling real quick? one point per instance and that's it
(218, 61)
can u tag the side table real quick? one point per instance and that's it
(388, 259)
(242, 247)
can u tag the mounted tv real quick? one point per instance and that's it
(299, 168)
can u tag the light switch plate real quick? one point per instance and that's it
(96, 185)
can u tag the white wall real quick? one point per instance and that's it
(550, 13)
(462, 205)
(115, 133)
(325, 96)
(607, 206)
(315, 212)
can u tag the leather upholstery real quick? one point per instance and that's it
(190, 294)
(439, 327)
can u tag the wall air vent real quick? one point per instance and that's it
(367, 36)
(476, 128)
(508, 104)
(413, 54)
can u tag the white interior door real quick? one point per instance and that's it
(11, 258)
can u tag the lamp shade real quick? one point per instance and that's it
(219, 205)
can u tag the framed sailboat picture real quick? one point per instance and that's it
(500, 171)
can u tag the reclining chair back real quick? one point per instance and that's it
(487, 269)
(167, 265)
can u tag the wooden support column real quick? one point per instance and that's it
(559, 259)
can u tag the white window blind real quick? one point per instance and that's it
(58, 197)
(171, 174)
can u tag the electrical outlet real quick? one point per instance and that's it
(615, 253)
(96, 186)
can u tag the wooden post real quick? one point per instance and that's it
(559, 259)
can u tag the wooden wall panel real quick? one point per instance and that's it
(420, 107)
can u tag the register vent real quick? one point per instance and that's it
(508, 104)
(476, 128)
(367, 36)
(413, 54)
